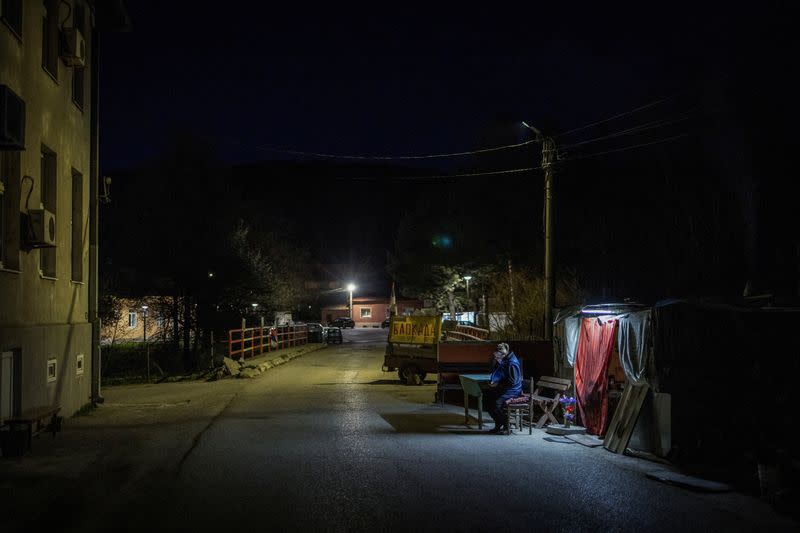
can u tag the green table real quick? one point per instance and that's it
(471, 385)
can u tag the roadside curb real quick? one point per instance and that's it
(252, 370)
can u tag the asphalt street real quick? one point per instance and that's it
(330, 442)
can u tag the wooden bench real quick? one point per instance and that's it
(36, 420)
(546, 395)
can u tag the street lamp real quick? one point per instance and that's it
(351, 288)
(146, 346)
(467, 278)
(254, 306)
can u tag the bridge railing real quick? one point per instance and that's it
(251, 342)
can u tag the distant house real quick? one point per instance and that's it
(131, 319)
(369, 312)
(49, 191)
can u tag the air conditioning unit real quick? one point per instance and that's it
(73, 51)
(12, 120)
(42, 230)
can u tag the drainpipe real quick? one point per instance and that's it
(94, 214)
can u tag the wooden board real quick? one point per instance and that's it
(621, 426)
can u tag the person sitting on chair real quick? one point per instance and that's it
(505, 383)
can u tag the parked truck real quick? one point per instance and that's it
(411, 348)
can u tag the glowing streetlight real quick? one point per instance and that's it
(351, 288)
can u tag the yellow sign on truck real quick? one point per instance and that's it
(415, 329)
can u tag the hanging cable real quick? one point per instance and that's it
(636, 129)
(442, 176)
(668, 139)
(393, 157)
(620, 115)
(28, 198)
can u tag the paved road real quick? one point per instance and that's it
(328, 442)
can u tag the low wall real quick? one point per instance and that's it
(536, 356)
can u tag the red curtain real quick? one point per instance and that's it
(595, 343)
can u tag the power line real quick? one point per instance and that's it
(442, 176)
(640, 108)
(635, 129)
(668, 139)
(393, 157)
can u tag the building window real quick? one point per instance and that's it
(160, 321)
(79, 73)
(77, 226)
(47, 257)
(51, 370)
(78, 84)
(131, 319)
(9, 210)
(50, 37)
(11, 14)
(366, 312)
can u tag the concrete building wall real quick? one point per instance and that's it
(370, 312)
(46, 317)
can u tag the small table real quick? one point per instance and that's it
(471, 384)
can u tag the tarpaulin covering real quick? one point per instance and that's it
(634, 346)
(595, 343)
(566, 326)
(572, 327)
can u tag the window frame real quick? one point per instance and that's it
(51, 38)
(15, 26)
(133, 320)
(76, 229)
(368, 312)
(11, 184)
(79, 73)
(52, 376)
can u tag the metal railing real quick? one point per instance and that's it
(467, 333)
(251, 342)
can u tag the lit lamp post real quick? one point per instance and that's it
(254, 306)
(351, 288)
(467, 278)
(146, 346)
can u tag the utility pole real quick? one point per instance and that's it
(548, 158)
(146, 346)
(511, 289)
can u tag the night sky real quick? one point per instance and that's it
(405, 81)
(398, 82)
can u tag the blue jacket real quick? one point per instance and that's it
(508, 374)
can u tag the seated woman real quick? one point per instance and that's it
(505, 383)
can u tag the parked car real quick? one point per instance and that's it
(315, 332)
(333, 335)
(343, 322)
(385, 323)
